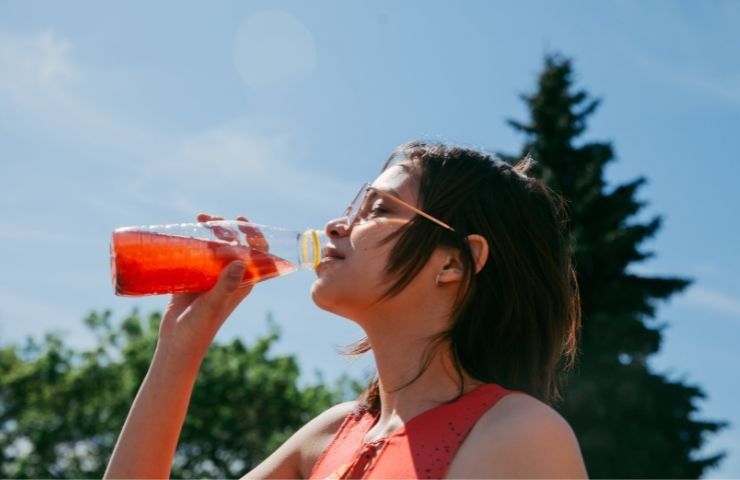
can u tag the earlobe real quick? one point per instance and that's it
(451, 271)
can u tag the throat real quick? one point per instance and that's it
(379, 433)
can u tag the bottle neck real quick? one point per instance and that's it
(310, 248)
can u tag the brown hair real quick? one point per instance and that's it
(515, 323)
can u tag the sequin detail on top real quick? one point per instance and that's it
(422, 448)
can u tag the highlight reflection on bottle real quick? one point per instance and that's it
(148, 261)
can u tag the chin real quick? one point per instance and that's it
(330, 300)
(321, 295)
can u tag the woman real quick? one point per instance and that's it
(457, 268)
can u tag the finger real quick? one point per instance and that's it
(244, 228)
(229, 291)
(254, 236)
(219, 300)
(221, 233)
(224, 233)
(229, 281)
(204, 217)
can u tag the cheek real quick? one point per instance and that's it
(345, 282)
(351, 284)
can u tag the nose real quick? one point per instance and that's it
(338, 227)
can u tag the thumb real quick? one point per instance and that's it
(230, 278)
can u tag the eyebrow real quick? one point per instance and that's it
(390, 190)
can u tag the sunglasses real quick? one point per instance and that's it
(358, 210)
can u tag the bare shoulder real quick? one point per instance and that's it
(296, 457)
(520, 437)
(320, 432)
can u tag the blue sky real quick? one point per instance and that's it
(150, 112)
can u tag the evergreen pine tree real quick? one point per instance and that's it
(630, 421)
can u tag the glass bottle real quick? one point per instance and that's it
(189, 257)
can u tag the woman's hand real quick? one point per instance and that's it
(192, 320)
(146, 446)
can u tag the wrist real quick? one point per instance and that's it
(170, 352)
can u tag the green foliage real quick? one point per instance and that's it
(61, 410)
(630, 421)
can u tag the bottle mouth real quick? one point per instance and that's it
(310, 248)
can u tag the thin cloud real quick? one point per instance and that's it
(44, 91)
(693, 73)
(36, 234)
(713, 300)
(41, 90)
(698, 296)
(724, 87)
(36, 314)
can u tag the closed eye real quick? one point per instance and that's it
(378, 208)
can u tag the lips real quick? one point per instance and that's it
(330, 251)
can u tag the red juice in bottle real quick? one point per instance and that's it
(148, 263)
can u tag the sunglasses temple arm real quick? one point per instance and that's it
(425, 215)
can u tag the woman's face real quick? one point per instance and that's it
(352, 285)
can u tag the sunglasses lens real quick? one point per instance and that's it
(356, 206)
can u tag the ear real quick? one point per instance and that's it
(452, 270)
(479, 247)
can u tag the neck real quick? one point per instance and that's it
(399, 357)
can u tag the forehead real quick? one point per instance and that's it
(398, 178)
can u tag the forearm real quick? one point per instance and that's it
(146, 446)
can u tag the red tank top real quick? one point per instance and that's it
(422, 448)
